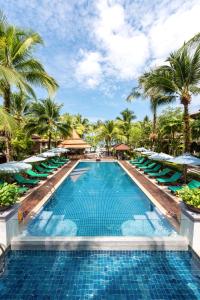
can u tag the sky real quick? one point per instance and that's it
(96, 49)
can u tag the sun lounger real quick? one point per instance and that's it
(144, 164)
(48, 166)
(151, 165)
(36, 175)
(42, 170)
(174, 178)
(161, 173)
(22, 180)
(194, 184)
(155, 169)
(142, 159)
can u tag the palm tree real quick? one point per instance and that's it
(109, 132)
(144, 90)
(181, 78)
(20, 104)
(45, 120)
(81, 124)
(125, 122)
(7, 129)
(17, 65)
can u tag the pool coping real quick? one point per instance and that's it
(176, 242)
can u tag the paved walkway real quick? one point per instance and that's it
(169, 204)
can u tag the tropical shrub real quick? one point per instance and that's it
(190, 196)
(8, 194)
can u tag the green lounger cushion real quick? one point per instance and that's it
(151, 165)
(22, 189)
(22, 180)
(161, 173)
(144, 164)
(155, 169)
(42, 170)
(194, 184)
(175, 177)
(34, 174)
(48, 166)
(56, 162)
(139, 162)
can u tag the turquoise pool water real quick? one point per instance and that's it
(99, 199)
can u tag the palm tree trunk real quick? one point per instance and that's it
(8, 148)
(154, 120)
(7, 98)
(186, 118)
(49, 141)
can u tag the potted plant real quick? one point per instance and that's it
(8, 195)
(191, 198)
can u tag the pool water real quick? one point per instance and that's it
(99, 199)
(100, 275)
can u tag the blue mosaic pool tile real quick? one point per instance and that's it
(100, 275)
(101, 201)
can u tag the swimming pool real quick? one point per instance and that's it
(99, 199)
(100, 275)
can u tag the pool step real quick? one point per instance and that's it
(176, 243)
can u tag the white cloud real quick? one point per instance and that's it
(88, 69)
(170, 31)
(130, 35)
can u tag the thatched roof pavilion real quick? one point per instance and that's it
(74, 142)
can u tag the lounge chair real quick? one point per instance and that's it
(194, 184)
(22, 180)
(59, 163)
(155, 169)
(33, 174)
(161, 173)
(48, 166)
(151, 165)
(142, 159)
(145, 164)
(174, 178)
(42, 170)
(22, 189)
(136, 160)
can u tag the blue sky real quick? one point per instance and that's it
(96, 49)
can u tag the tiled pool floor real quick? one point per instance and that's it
(100, 275)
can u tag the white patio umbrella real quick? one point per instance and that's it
(141, 149)
(148, 153)
(160, 156)
(48, 154)
(185, 160)
(59, 150)
(13, 167)
(33, 159)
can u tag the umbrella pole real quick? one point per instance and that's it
(185, 173)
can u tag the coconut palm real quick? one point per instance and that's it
(17, 64)
(7, 129)
(145, 91)
(125, 122)
(20, 104)
(109, 132)
(45, 120)
(180, 78)
(81, 124)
